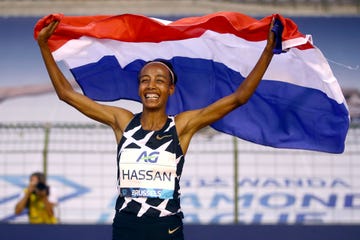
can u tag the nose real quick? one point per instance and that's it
(151, 84)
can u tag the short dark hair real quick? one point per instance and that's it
(40, 176)
(169, 65)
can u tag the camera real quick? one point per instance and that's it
(42, 186)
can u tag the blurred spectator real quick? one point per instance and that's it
(39, 200)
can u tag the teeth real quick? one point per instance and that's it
(149, 95)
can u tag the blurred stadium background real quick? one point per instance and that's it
(231, 188)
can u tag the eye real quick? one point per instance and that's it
(144, 80)
(160, 80)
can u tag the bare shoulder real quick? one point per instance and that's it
(187, 124)
(122, 117)
(184, 120)
(117, 118)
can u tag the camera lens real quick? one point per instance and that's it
(41, 186)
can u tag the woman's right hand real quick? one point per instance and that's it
(46, 32)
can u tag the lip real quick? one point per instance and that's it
(151, 96)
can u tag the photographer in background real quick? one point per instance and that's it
(39, 201)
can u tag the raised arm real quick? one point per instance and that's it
(115, 117)
(21, 204)
(188, 123)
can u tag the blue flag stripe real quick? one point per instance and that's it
(279, 114)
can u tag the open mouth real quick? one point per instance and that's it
(151, 96)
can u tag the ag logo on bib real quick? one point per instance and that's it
(152, 157)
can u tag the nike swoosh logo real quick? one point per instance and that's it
(171, 231)
(158, 137)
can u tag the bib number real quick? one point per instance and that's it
(147, 174)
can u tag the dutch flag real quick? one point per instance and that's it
(298, 104)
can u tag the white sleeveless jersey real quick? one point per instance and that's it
(149, 168)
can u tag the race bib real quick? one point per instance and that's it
(147, 174)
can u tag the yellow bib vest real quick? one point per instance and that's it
(37, 212)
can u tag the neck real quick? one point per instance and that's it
(153, 120)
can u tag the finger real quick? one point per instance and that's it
(48, 31)
(53, 25)
(272, 22)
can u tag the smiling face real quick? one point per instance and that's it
(155, 85)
